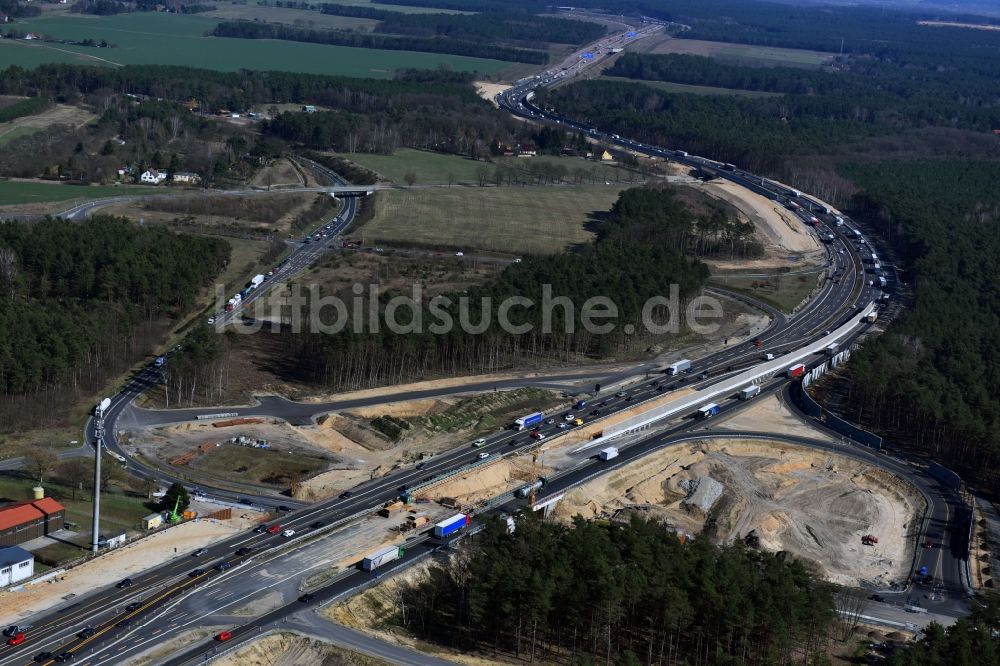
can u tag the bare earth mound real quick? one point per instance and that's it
(811, 504)
(289, 649)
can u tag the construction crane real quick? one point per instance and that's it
(175, 517)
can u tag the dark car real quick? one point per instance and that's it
(11, 630)
(196, 573)
(421, 465)
(222, 566)
(345, 494)
(877, 597)
(630, 398)
(307, 597)
(43, 657)
(244, 500)
(135, 605)
(318, 524)
(245, 550)
(127, 622)
(602, 403)
(282, 507)
(66, 656)
(125, 582)
(403, 488)
(86, 632)
(199, 552)
(260, 529)
(595, 412)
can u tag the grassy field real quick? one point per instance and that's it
(439, 168)
(119, 512)
(297, 17)
(694, 90)
(403, 9)
(16, 192)
(784, 292)
(513, 220)
(175, 39)
(258, 466)
(429, 167)
(59, 114)
(763, 56)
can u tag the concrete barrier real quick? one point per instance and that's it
(731, 386)
(944, 476)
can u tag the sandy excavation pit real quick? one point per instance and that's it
(811, 504)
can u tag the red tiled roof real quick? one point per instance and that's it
(18, 514)
(48, 506)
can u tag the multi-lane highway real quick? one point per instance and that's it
(106, 611)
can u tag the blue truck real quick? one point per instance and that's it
(709, 410)
(579, 404)
(451, 525)
(528, 421)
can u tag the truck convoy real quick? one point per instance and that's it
(609, 453)
(708, 411)
(749, 392)
(451, 525)
(256, 281)
(380, 557)
(678, 367)
(527, 421)
(796, 370)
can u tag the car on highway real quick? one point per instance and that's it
(123, 583)
(569, 417)
(211, 320)
(479, 442)
(484, 455)
(260, 529)
(122, 624)
(563, 425)
(345, 494)
(595, 412)
(288, 533)
(538, 435)
(620, 394)
(317, 524)
(65, 656)
(134, 606)
(222, 566)
(199, 552)
(11, 630)
(421, 465)
(274, 529)
(16, 639)
(245, 550)
(307, 597)
(877, 597)
(549, 421)
(196, 572)
(223, 636)
(42, 657)
(86, 632)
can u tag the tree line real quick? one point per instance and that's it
(451, 46)
(72, 296)
(619, 594)
(641, 251)
(489, 24)
(884, 91)
(932, 381)
(24, 107)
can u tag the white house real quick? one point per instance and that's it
(153, 176)
(16, 564)
(187, 177)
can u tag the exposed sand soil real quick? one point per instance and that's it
(289, 649)
(811, 504)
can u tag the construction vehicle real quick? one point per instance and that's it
(174, 516)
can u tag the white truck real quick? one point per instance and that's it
(749, 392)
(678, 367)
(832, 349)
(256, 281)
(609, 453)
(380, 557)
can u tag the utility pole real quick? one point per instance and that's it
(99, 437)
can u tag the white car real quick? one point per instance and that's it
(211, 320)
(484, 455)
(459, 254)
(288, 533)
(569, 417)
(563, 425)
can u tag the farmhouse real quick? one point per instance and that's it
(16, 564)
(153, 176)
(24, 521)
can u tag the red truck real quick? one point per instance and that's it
(796, 370)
